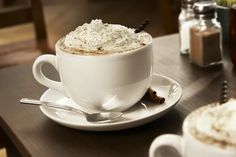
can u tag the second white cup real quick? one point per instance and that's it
(188, 145)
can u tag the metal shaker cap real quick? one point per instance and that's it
(204, 7)
(187, 3)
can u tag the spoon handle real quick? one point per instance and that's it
(35, 102)
(31, 101)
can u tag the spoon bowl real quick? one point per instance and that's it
(103, 117)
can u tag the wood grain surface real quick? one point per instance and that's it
(35, 135)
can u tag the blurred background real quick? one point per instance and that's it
(29, 28)
(21, 42)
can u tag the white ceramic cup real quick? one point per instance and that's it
(188, 145)
(112, 82)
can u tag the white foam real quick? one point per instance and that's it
(110, 38)
(219, 122)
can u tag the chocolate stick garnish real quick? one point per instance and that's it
(142, 26)
(152, 95)
(224, 92)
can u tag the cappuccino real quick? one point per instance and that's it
(98, 38)
(113, 81)
(215, 124)
(209, 131)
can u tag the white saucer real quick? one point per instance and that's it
(141, 113)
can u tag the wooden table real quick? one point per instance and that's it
(35, 135)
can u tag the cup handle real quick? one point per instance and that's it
(41, 78)
(174, 141)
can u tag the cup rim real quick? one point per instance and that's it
(112, 55)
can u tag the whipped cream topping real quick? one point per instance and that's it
(219, 123)
(101, 37)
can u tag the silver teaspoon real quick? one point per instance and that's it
(102, 117)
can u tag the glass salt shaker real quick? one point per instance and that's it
(205, 35)
(186, 19)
